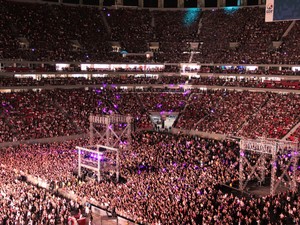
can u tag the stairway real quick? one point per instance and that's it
(199, 26)
(288, 29)
(191, 56)
(107, 27)
(182, 111)
(291, 131)
(198, 33)
(252, 116)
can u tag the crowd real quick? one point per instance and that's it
(115, 79)
(288, 51)
(229, 110)
(249, 82)
(243, 70)
(90, 34)
(168, 179)
(247, 114)
(245, 27)
(174, 68)
(34, 114)
(275, 119)
(24, 203)
(133, 38)
(164, 102)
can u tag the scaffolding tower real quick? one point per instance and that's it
(111, 130)
(108, 135)
(277, 157)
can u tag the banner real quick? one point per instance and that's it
(269, 11)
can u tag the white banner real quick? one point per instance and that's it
(269, 11)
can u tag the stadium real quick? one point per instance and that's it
(149, 112)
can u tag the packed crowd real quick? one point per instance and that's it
(243, 70)
(115, 79)
(168, 179)
(245, 27)
(248, 114)
(22, 203)
(245, 82)
(63, 112)
(34, 114)
(275, 119)
(249, 82)
(133, 38)
(164, 102)
(89, 34)
(228, 111)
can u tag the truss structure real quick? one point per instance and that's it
(112, 130)
(107, 136)
(100, 159)
(268, 156)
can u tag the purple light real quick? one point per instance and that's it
(186, 92)
(99, 103)
(115, 106)
(108, 14)
(242, 154)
